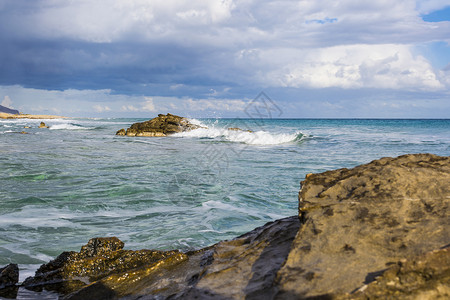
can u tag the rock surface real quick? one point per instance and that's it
(9, 277)
(426, 277)
(162, 125)
(98, 259)
(378, 230)
(357, 222)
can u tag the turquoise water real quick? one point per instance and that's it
(61, 186)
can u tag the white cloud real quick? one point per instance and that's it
(132, 108)
(101, 108)
(357, 66)
(428, 6)
(148, 104)
(7, 102)
(216, 105)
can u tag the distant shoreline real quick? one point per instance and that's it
(28, 116)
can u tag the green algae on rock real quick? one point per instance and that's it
(98, 259)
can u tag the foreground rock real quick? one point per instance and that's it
(358, 222)
(98, 259)
(9, 276)
(162, 125)
(424, 277)
(379, 230)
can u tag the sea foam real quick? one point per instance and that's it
(260, 137)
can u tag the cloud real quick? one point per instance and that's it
(359, 66)
(215, 105)
(213, 51)
(129, 108)
(148, 104)
(7, 102)
(101, 108)
(132, 44)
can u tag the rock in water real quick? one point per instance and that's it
(9, 276)
(162, 125)
(98, 259)
(42, 125)
(358, 222)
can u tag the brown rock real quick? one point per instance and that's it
(121, 132)
(358, 221)
(162, 125)
(42, 125)
(238, 129)
(425, 277)
(98, 259)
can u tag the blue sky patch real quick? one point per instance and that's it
(438, 16)
(324, 21)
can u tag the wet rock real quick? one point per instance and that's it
(98, 259)
(9, 276)
(246, 267)
(121, 132)
(162, 125)
(358, 221)
(238, 129)
(42, 125)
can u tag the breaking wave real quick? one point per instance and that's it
(260, 137)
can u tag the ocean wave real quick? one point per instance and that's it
(241, 136)
(68, 126)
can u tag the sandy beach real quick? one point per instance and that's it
(28, 116)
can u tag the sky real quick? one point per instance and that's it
(212, 58)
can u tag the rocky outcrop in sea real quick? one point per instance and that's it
(162, 125)
(379, 230)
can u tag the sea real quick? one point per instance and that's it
(77, 180)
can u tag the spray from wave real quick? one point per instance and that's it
(241, 136)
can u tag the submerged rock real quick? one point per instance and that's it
(42, 125)
(162, 125)
(361, 233)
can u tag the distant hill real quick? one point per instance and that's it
(8, 110)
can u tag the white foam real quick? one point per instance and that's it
(251, 138)
(66, 126)
(197, 122)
